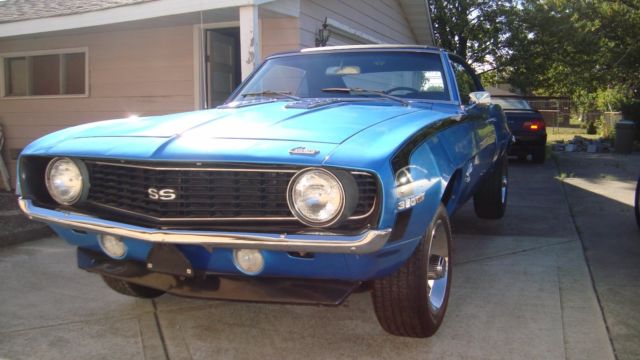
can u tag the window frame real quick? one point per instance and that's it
(448, 76)
(3, 77)
(474, 77)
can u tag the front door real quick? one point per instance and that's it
(222, 64)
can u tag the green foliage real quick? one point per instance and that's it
(586, 49)
(572, 47)
(591, 128)
(472, 29)
(631, 111)
(612, 98)
(604, 128)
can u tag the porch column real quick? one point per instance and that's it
(249, 39)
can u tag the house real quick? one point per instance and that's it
(66, 62)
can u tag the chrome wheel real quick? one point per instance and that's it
(438, 266)
(412, 301)
(504, 188)
(637, 205)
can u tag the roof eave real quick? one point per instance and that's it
(419, 19)
(122, 14)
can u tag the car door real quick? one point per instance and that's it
(483, 124)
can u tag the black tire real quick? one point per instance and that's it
(404, 302)
(539, 155)
(637, 205)
(127, 288)
(490, 199)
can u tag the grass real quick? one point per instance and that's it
(567, 133)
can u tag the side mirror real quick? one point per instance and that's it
(480, 97)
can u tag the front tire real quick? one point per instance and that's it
(130, 289)
(412, 301)
(490, 199)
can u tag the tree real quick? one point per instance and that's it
(586, 49)
(474, 30)
(567, 47)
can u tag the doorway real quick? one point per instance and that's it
(222, 64)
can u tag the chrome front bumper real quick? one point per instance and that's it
(367, 242)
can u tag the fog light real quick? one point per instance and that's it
(113, 246)
(249, 261)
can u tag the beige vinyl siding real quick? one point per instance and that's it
(280, 34)
(381, 19)
(141, 72)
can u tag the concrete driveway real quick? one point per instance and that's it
(521, 290)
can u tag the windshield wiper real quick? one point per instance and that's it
(271, 93)
(365, 91)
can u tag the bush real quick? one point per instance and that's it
(612, 98)
(605, 129)
(631, 111)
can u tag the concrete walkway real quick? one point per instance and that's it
(600, 189)
(521, 290)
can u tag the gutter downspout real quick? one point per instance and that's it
(3, 167)
(250, 39)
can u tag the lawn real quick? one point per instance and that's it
(567, 133)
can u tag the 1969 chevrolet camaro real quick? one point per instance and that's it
(327, 170)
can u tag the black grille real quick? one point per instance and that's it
(204, 194)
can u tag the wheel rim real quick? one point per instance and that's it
(504, 184)
(503, 188)
(438, 267)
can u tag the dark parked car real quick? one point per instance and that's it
(527, 126)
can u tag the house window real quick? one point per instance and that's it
(58, 73)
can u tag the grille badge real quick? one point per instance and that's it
(161, 194)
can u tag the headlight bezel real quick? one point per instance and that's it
(348, 192)
(84, 181)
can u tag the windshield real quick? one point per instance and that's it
(410, 75)
(511, 104)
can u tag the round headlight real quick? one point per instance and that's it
(64, 180)
(317, 197)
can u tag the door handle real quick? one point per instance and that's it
(490, 121)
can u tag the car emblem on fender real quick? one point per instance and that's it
(301, 150)
(161, 194)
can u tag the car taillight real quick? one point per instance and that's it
(534, 125)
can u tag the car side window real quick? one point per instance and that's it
(465, 81)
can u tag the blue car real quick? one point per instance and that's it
(327, 171)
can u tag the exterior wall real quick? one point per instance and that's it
(280, 34)
(381, 19)
(141, 72)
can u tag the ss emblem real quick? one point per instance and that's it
(162, 194)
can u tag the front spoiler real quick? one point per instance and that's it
(208, 286)
(367, 242)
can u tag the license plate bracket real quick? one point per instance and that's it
(168, 259)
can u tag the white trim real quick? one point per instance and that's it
(45, 52)
(250, 39)
(120, 14)
(284, 7)
(198, 56)
(347, 31)
(3, 56)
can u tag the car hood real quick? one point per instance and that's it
(247, 133)
(271, 121)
